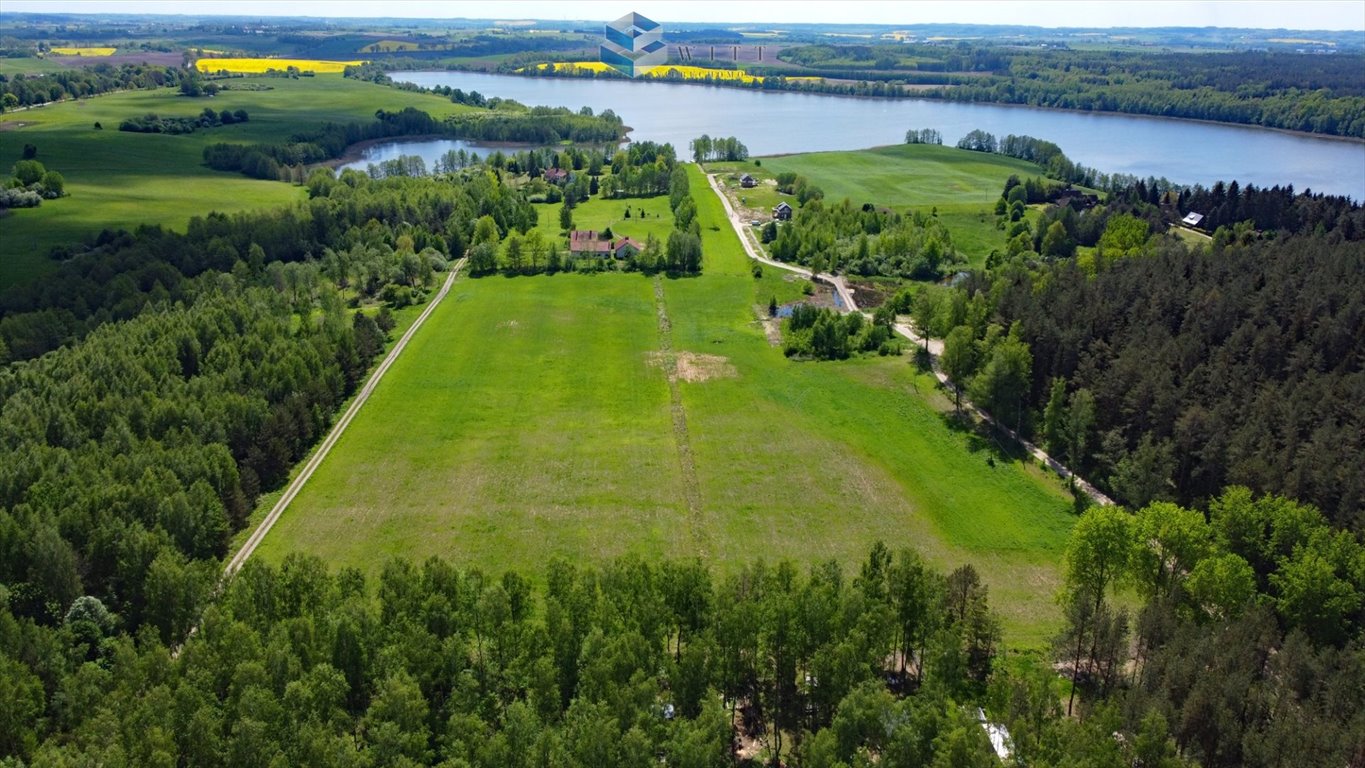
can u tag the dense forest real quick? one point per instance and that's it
(1175, 371)
(1244, 652)
(386, 226)
(1246, 647)
(432, 664)
(1317, 94)
(171, 379)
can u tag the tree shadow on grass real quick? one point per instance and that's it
(984, 438)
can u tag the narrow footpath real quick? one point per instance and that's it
(333, 436)
(934, 346)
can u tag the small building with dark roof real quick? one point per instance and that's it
(783, 212)
(747, 181)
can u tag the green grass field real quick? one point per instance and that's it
(118, 179)
(598, 214)
(30, 65)
(963, 186)
(534, 417)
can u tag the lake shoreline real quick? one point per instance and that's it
(914, 97)
(790, 122)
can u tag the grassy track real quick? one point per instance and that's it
(963, 186)
(118, 179)
(532, 417)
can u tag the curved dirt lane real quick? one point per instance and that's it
(935, 346)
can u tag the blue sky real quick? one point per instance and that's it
(1265, 14)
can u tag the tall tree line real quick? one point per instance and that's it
(1237, 363)
(1246, 647)
(624, 664)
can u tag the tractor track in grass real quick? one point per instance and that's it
(681, 437)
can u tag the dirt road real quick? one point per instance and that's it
(746, 237)
(935, 346)
(332, 437)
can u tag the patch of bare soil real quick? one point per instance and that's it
(157, 58)
(772, 327)
(871, 295)
(13, 125)
(694, 367)
(510, 325)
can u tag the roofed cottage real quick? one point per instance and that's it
(588, 243)
(556, 175)
(747, 181)
(592, 243)
(1192, 219)
(783, 211)
(625, 248)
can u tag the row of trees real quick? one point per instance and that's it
(706, 149)
(923, 136)
(21, 90)
(153, 123)
(122, 273)
(1279, 90)
(1241, 655)
(541, 125)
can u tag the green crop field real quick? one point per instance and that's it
(961, 185)
(117, 179)
(535, 417)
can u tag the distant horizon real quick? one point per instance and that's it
(1295, 15)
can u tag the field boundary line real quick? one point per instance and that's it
(687, 463)
(296, 485)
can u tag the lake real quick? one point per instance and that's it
(1184, 151)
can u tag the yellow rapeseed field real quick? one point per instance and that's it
(685, 71)
(83, 51)
(662, 72)
(257, 66)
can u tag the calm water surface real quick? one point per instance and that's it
(1183, 151)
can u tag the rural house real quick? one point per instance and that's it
(556, 175)
(783, 212)
(1192, 219)
(747, 181)
(625, 248)
(592, 243)
(588, 243)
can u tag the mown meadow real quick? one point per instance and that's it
(960, 186)
(534, 417)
